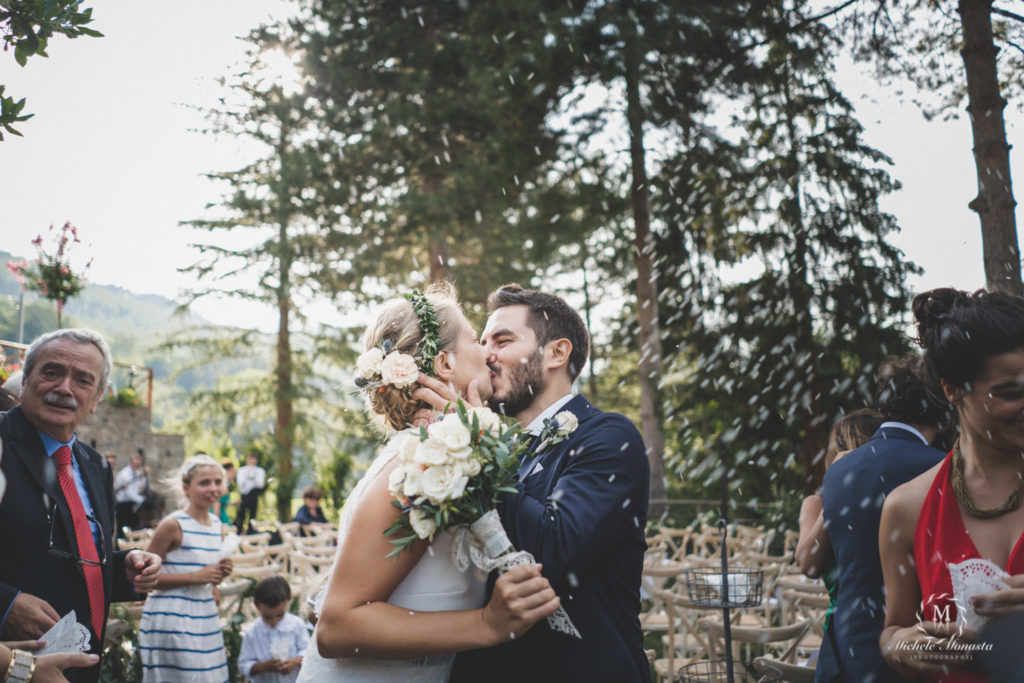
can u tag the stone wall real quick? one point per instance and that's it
(125, 430)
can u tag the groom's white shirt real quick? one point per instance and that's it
(537, 424)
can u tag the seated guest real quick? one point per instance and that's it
(310, 512)
(854, 489)
(969, 505)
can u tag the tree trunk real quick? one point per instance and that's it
(646, 280)
(994, 203)
(592, 390)
(438, 254)
(284, 423)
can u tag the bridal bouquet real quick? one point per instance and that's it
(453, 473)
(451, 478)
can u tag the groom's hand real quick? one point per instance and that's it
(521, 598)
(441, 396)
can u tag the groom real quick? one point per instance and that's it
(581, 508)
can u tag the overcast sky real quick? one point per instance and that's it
(110, 150)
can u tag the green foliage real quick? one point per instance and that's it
(122, 661)
(334, 476)
(437, 162)
(233, 645)
(27, 26)
(126, 397)
(788, 295)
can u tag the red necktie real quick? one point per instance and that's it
(83, 537)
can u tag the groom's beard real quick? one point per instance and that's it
(525, 380)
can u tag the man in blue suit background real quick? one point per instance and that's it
(582, 505)
(853, 491)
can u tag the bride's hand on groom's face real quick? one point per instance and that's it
(521, 598)
(441, 397)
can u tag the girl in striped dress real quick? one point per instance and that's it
(180, 633)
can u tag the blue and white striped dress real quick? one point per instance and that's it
(180, 634)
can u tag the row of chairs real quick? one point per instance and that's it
(303, 560)
(784, 629)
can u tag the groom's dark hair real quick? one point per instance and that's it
(550, 318)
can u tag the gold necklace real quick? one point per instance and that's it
(963, 496)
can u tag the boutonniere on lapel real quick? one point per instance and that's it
(555, 430)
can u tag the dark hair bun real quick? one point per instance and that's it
(959, 331)
(934, 306)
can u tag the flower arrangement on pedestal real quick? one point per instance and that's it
(50, 273)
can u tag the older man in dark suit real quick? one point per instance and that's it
(582, 505)
(57, 516)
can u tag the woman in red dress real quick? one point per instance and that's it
(969, 505)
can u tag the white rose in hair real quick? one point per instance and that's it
(399, 370)
(423, 524)
(430, 452)
(488, 419)
(567, 422)
(443, 482)
(452, 433)
(369, 362)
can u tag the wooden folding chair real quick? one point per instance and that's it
(791, 673)
(766, 635)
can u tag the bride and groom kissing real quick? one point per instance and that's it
(580, 509)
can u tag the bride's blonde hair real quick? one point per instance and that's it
(398, 322)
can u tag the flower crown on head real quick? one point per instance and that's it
(382, 365)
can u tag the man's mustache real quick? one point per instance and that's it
(60, 400)
(495, 368)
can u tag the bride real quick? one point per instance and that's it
(403, 618)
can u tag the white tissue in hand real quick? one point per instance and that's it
(229, 544)
(67, 635)
(974, 577)
(279, 649)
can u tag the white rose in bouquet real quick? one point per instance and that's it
(430, 452)
(396, 481)
(412, 485)
(368, 363)
(452, 433)
(488, 419)
(442, 483)
(422, 524)
(407, 449)
(399, 370)
(469, 466)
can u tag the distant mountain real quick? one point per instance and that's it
(133, 325)
(130, 322)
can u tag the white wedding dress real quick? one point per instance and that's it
(433, 585)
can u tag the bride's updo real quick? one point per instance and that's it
(398, 327)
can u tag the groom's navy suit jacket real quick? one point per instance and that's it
(581, 511)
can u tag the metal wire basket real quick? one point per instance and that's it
(716, 671)
(705, 586)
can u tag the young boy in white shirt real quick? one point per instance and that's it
(272, 645)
